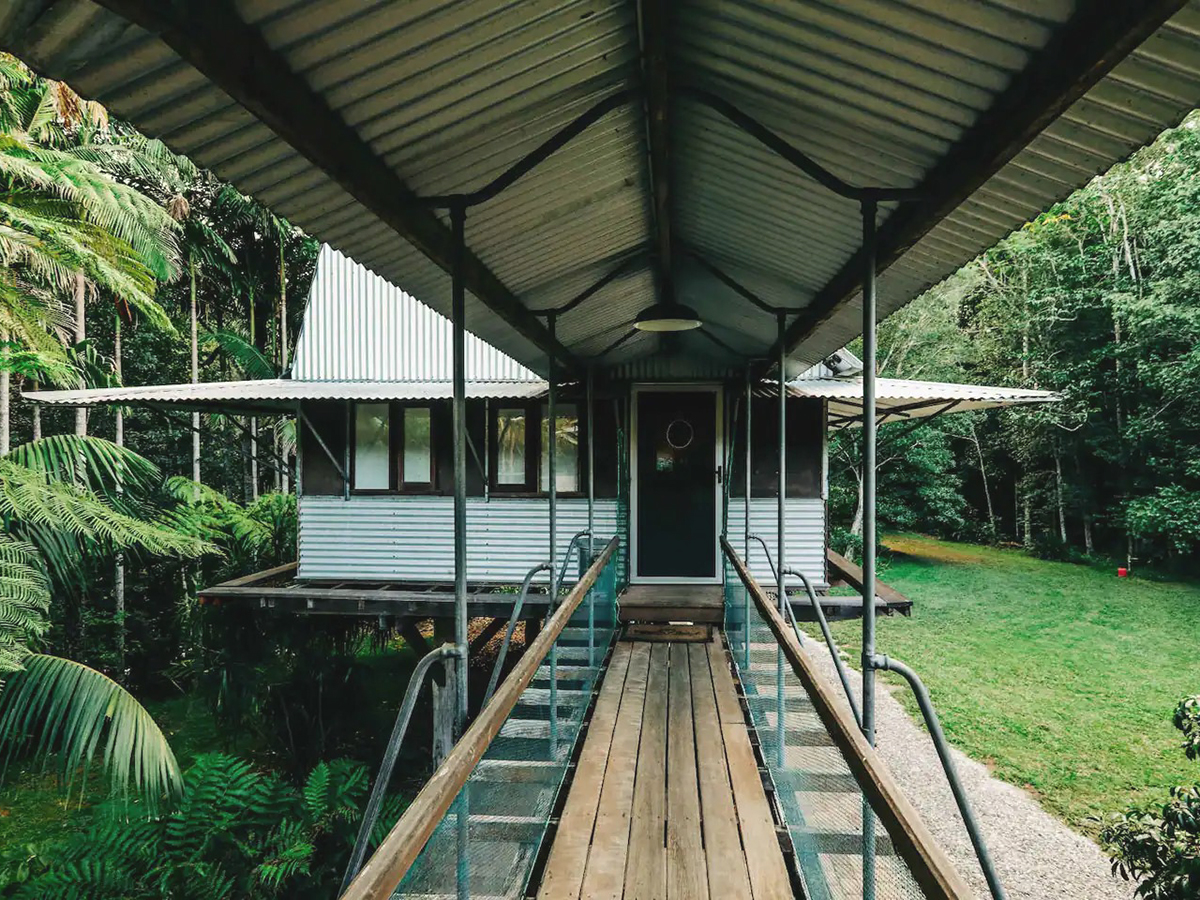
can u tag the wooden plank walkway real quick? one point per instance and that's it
(666, 801)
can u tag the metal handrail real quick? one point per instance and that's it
(885, 663)
(391, 861)
(498, 666)
(767, 551)
(379, 790)
(562, 573)
(911, 839)
(843, 675)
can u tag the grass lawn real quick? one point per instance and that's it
(1061, 677)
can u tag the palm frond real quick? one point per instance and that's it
(24, 600)
(95, 463)
(248, 358)
(64, 708)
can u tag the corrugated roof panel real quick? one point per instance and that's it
(452, 93)
(359, 327)
(281, 393)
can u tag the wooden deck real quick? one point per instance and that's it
(666, 801)
(672, 603)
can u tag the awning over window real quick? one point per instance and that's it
(277, 395)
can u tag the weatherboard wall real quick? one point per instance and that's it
(395, 538)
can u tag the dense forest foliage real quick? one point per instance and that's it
(1095, 299)
(123, 263)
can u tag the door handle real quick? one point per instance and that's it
(719, 475)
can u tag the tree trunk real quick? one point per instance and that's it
(195, 371)
(253, 419)
(1027, 517)
(80, 336)
(1058, 496)
(36, 416)
(119, 576)
(5, 402)
(283, 357)
(987, 489)
(857, 523)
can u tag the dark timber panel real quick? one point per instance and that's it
(805, 437)
(319, 476)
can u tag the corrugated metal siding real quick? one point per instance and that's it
(412, 538)
(450, 94)
(359, 327)
(805, 547)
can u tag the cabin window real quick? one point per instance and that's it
(566, 449)
(372, 447)
(512, 434)
(416, 456)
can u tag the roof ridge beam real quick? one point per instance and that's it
(237, 59)
(655, 24)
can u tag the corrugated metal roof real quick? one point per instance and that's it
(280, 393)
(899, 399)
(449, 94)
(359, 327)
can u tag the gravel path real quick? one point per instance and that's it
(1037, 856)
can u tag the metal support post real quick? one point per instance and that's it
(458, 220)
(745, 593)
(551, 467)
(591, 509)
(868, 511)
(781, 522)
(781, 510)
(868, 474)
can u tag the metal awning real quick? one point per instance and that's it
(274, 395)
(338, 113)
(902, 400)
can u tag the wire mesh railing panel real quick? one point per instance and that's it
(487, 843)
(822, 803)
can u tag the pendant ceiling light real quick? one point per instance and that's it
(667, 317)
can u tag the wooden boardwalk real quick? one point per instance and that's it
(666, 801)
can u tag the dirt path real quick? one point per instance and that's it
(1037, 856)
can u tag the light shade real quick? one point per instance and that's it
(667, 317)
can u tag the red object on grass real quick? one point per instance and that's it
(1122, 572)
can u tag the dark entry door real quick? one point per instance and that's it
(677, 471)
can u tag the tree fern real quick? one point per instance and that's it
(65, 708)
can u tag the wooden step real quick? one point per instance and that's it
(665, 614)
(667, 633)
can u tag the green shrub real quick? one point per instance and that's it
(236, 832)
(1158, 846)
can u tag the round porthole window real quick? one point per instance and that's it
(680, 434)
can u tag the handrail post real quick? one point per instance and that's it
(843, 676)
(887, 664)
(392, 751)
(498, 666)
